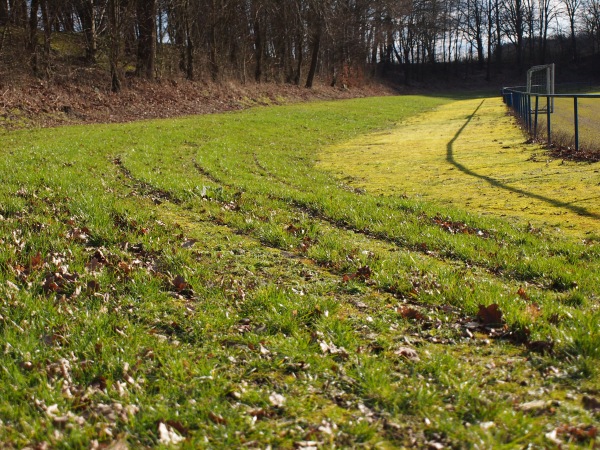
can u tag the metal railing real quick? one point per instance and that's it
(531, 106)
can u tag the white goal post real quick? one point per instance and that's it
(540, 80)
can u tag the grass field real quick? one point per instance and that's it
(470, 154)
(589, 122)
(201, 283)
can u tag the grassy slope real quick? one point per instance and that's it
(198, 276)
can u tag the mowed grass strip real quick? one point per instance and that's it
(198, 282)
(471, 154)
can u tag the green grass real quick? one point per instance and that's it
(201, 276)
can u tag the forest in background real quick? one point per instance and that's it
(343, 42)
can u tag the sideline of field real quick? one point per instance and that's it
(471, 154)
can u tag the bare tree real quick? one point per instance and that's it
(547, 13)
(474, 27)
(114, 52)
(317, 26)
(32, 40)
(4, 13)
(590, 18)
(146, 48)
(572, 9)
(514, 27)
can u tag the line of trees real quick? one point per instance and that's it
(295, 41)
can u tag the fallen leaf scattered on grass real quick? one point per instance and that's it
(522, 293)
(363, 273)
(182, 287)
(93, 286)
(454, 227)
(543, 347)
(36, 262)
(276, 399)
(167, 435)
(123, 266)
(294, 230)
(189, 243)
(537, 407)
(408, 353)
(580, 433)
(410, 313)
(490, 315)
(332, 349)
(533, 310)
(58, 282)
(217, 418)
(590, 403)
(179, 283)
(260, 413)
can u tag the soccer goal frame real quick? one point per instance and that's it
(540, 80)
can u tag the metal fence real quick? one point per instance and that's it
(541, 113)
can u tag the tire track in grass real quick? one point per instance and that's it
(442, 254)
(370, 242)
(356, 390)
(330, 275)
(557, 281)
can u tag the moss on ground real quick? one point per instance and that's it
(472, 154)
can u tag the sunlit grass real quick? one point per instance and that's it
(200, 279)
(563, 122)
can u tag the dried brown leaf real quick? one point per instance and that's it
(579, 433)
(490, 315)
(410, 313)
(93, 286)
(408, 353)
(179, 283)
(36, 262)
(522, 293)
(217, 418)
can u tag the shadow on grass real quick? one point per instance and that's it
(493, 182)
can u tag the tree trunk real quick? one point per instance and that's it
(573, 37)
(299, 60)
(490, 24)
(314, 58)
(114, 44)
(32, 38)
(498, 36)
(18, 15)
(189, 68)
(146, 50)
(85, 11)
(3, 12)
(48, 19)
(258, 47)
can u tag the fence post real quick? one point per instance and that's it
(521, 108)
(576, 121)
(535, 122)
(529, 127)
(548, 124)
